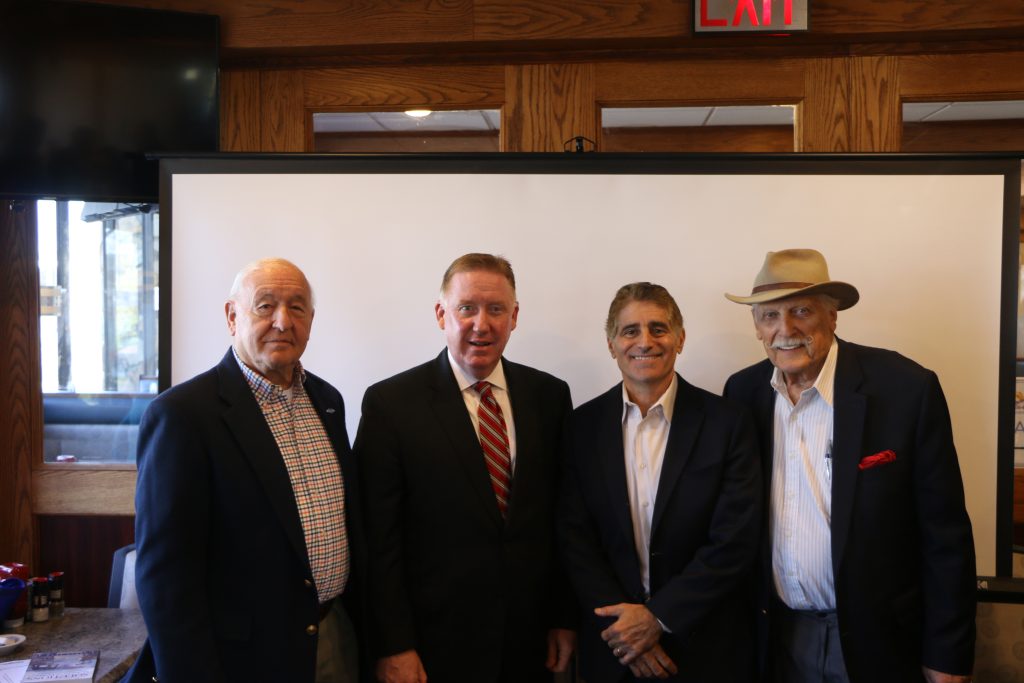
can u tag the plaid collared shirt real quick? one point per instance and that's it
(315, 474)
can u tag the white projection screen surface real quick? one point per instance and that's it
(924, 241)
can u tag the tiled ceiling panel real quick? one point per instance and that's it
(397, 121)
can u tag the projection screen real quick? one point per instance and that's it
(930, 242)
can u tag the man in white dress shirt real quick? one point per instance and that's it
(461, 457)
(660, 512)
(867, 570)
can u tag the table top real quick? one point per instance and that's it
(117, 633)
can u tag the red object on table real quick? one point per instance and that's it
(17, 571)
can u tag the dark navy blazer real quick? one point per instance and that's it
(704, 535)
(902, 549)
(222, 572)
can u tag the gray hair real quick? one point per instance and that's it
(262, 264)
(642, 291)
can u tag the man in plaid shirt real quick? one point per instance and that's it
(246, 506)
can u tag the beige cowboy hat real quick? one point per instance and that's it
(796, 271)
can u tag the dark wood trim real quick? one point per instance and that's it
(693, 82)
(399, 87)
(633, 50)
(725, 139)
(282, 117)
(391, 142)
(239, 111)
(962, 76)
(547, 104)
(21, 402)
(963, 136)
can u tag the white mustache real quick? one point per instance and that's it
(778, 343)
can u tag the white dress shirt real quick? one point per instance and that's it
(499, 389)
(800, 517)
(644, 439)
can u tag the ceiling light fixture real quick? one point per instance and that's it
(418, 113)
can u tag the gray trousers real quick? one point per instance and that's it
(805, 647)
(337, 658)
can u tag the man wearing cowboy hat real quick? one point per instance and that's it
(867, 567)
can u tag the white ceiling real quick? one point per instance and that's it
(633, 117)
(963, 111)
(397, 121)
(630, 117)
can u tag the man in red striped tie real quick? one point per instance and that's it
(461, 465)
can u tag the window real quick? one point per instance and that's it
(414, 130)
(991, 126)
(757, 128)
(98, 269)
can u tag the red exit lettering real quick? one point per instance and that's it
(746, 8)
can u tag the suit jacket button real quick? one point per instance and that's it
(311, 629)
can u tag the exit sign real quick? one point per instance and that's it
(744, 16)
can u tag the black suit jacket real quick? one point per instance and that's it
(473, 594)
(704, 534)
(902, 549)
(222, 571)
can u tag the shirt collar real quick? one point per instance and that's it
(824, 384)
(266, 391)
(664, 406)
(496, 378)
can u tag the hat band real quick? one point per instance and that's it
(780, 285)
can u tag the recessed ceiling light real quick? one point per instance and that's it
(418, 113)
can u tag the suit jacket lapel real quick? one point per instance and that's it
(848, 428)
(332, 417)
(256, 443)
(764, 414)
(613, 462)
(525, 419)
(450, 409)
(687, 416)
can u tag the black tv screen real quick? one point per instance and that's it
(87, 91)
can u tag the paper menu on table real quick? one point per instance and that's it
(13, 671)
(51, 667)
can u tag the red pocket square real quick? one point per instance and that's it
(876, 459)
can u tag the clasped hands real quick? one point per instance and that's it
(633, 639)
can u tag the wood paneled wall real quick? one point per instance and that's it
(406, 142)
(83, 548)
(549, 65)
(851, 104)
(21, 405)
(318, 27)
(844, 104)
(771, 139)
(548, 104)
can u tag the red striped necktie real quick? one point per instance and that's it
(494, 441)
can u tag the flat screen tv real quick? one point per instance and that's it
(87, 91)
